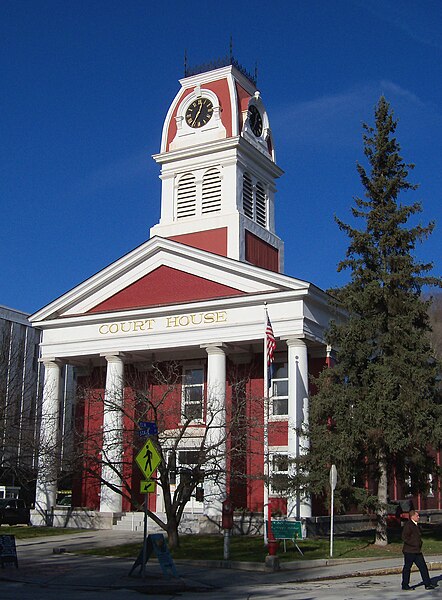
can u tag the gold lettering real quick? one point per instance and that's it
(113, 328)
(184, 321)
(122, 325)
(103, 328)
(138, 325)
(221, 316)
(171, 322)
(209, 317)
(197, 319)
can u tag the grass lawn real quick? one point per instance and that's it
(252, 549)
(22, 532)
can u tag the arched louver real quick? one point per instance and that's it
(211, 194)
(261, 212)
(186, 197)
(247, 195)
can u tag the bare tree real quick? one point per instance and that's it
(206, 435)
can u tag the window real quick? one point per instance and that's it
(211, 197)
(193, 393)
(261, 205)
(254, 200)
(279, 471)
(186, 197)
(280, 390)
(247, 195)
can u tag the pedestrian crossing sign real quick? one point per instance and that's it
(148, 459)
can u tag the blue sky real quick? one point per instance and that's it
(85, 86)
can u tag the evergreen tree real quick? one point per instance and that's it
(377, 412)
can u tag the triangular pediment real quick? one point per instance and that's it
(165, 285)
(165, 272)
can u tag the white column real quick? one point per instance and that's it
(48, 451)
(112, 450)
(215, 484)
(298, 444)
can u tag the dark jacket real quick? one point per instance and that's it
(412, 538)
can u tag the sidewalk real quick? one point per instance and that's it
(52, 562)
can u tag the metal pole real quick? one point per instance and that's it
(331, 522)
(226, 544)
(143, 566)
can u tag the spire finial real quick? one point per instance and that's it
(231, 46)
(185, 62)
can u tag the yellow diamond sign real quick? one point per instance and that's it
(148, 459)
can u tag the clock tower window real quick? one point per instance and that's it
(211, 192)
(186, 197)
(254, 200)
(261, 208)
(247, 195)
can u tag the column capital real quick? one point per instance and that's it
(113, 356)
(215, 348)
(50, 362)
(295, 342)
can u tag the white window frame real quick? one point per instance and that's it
(274, 454)
(185, 386)
(273, 397)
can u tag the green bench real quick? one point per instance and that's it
(287, 530)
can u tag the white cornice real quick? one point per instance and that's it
(255, 279)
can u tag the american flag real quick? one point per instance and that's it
(271, 342)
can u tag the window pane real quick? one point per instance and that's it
(193, 376)
(280, 371)
(194, 394)
(193, 411)
(281, 388)
(188, 457)
(280, 406)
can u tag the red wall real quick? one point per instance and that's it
(212, 240)
(165, 285)
(261, 254)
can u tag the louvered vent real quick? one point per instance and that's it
(261, 213)
(211, 198)
(247, 195)
(186, 197)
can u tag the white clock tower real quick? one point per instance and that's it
(218, 169)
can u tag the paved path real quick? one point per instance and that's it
(43, 573)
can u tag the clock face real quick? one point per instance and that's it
(255, 120)
(199, 113)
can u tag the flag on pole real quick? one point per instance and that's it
(270, 346)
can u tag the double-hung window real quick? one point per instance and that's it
(279, 472)
(193, 393)
(280, 390)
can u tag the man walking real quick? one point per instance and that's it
(412, 549)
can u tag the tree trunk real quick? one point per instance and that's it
(173, 539)
(381, 511)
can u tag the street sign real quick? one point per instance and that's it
(147, 487)
(148, 459)
(148, 426)
(144, 433)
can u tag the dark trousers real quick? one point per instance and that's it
(419, 561)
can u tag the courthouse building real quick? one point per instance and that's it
(196, 293)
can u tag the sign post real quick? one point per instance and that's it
(147, 460)
(333, 480)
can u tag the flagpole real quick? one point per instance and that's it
(266, 430)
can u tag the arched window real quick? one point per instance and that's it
(186, 197)
(211, 193)
(260, 205)
(247, 195)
